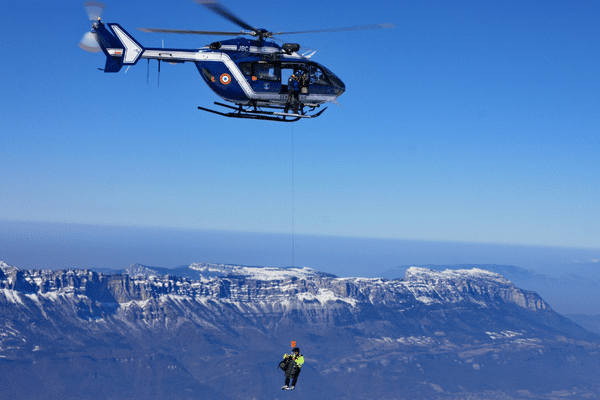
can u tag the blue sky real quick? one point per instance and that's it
(470, 122)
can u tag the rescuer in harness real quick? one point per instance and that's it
(293, 366)
(293, 93)
(298, 82)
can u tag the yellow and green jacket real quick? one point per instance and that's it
(299, 359)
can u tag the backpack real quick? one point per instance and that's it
(284, 364)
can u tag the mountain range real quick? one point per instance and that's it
(220, 330)
(571, 289)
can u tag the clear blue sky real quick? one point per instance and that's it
(470, 122)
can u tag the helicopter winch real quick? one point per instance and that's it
(263, 79)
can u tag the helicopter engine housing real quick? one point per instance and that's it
(290, 48)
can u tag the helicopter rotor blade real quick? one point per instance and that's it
(221, 10)
(192, 32)
(350, 28)
(90, 43)
(94, 9)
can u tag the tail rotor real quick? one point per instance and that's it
(94, 10)
(89, 41)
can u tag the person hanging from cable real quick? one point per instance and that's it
(293, 366)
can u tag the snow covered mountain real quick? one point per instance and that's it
(147, 334)
(572, 291)
(211, 270)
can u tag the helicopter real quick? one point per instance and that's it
(262, 79)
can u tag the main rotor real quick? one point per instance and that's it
(259, 33)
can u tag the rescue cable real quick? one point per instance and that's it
(293, 232)
(293, 205)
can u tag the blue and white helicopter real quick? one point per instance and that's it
(251, 73)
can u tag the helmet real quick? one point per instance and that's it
(296, 349)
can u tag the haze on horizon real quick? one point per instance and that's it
(35, 245)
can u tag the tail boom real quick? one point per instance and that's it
(121, 48)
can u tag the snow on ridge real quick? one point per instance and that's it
(211, 267)
(475, 273)
(7, 267)
(271, 273)
(256, 273)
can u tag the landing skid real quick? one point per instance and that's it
(252, 112)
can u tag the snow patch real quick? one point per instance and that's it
(12, 296)
(325, 295)
(33, 297)
(138, 303)
(426, 300)
(408, 340)
(503, 334)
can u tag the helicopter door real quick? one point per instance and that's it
(263, 77)
(285, 77)
(287, 69)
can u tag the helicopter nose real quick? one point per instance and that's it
(339, 88)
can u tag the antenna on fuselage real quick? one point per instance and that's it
(163, 46)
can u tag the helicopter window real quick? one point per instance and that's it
(334, 80)
(265, 71)
(246, 68)
(317, 76)
(294, 66)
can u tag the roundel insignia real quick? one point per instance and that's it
(225, 79)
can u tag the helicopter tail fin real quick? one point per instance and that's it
(120, 48)
(132, 50)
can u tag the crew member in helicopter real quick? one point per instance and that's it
(293, 367)
(303, 82)
(294, 83)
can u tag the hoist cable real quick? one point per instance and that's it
(293, 228)
(293, 205)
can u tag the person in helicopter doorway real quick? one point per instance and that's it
(294, 82)
(293, 367)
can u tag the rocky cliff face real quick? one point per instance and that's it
(294, 288)
(448, 334)
(573, 290)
